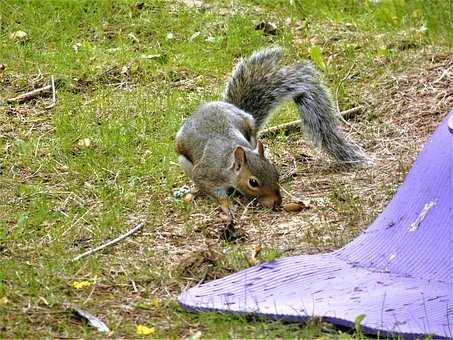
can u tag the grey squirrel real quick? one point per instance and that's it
(217, 146)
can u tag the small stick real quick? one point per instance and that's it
(112, 242)
(30, 95)
(347, 113)
(54, 96)
(274, 129)
(296, 123)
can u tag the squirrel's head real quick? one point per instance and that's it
(256, 176)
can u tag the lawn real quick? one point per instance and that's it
(89, 167)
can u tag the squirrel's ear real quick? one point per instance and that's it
(239, 157)
(260, 148)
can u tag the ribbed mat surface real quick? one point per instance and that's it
(399, 272)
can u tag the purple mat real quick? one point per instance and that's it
(399, 272)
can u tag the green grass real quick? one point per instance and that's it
(125, 85)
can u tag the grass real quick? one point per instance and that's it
(127, 76)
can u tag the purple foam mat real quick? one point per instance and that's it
(399, 272)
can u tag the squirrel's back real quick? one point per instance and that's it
(214, 121)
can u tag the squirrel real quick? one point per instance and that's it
(217, 145)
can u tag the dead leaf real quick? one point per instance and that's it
(90, 318)
(252, 259)
(257, 250)
(269, 28)
(19, 36)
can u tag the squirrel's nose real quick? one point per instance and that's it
(270, 202)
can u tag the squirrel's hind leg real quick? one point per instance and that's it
(186, 165)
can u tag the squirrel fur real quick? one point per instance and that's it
(218, 148)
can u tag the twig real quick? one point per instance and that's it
(30, 95)
(274, 129)
(112, 242)
(296, 123)
(54, 96)
(348, 113)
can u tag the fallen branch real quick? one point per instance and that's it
(348, 113)
(296, 123)
(54, 95)
(30, 95)
(112, 242)
(281, 127)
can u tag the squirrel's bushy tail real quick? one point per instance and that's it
(257, 85)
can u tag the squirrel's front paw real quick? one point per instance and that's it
(227, 211)
(227, 218)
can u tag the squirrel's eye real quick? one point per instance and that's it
(253, 183)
